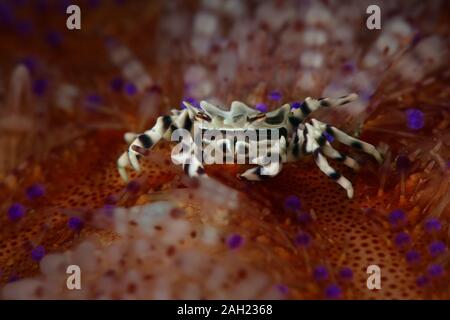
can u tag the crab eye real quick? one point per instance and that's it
(202, 116)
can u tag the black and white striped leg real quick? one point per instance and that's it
(330, 152)
(310, 105)
(314, 144)
(124, 161)
(325, 167)
(348, 140)
(141, 143)
(269, 164)
(296, 151)
(225, 149)
(246, 152)
(332, 102)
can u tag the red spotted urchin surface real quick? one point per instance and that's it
(68, 96)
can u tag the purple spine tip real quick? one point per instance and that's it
(432, 225)
(116, 84)
(328, 136)
(436, 248)
(421, 281)
(282, 288)
(16, 211)
(13, 278)
(111, 199)
(435, 270)
(40, 87)
(333, 292)
(402, 239)
(292, 203)
(412, 256)
(75, 223)
(346, 273)
(396, 217)
(130, 89)
(261, 107)
(133, 186)
(403, 163)
(192, 101)
(304, 218)
(35, 191)
(320, 273)
(303, 239)
(295, 105)
(37, 253)
(415, 119)
(54, 39)
(275, 95)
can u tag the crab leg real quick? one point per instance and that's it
(260, 172)
(122, 163)
(348, 140)
(325, 167)
(310, 105)
(295, 151)
(332, 153)
(327, 149)
(163, 128)
(312, 146)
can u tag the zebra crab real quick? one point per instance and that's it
(295, 138)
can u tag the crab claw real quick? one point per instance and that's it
(122, 163)
(130, 136)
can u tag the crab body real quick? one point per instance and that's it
(283, 133)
